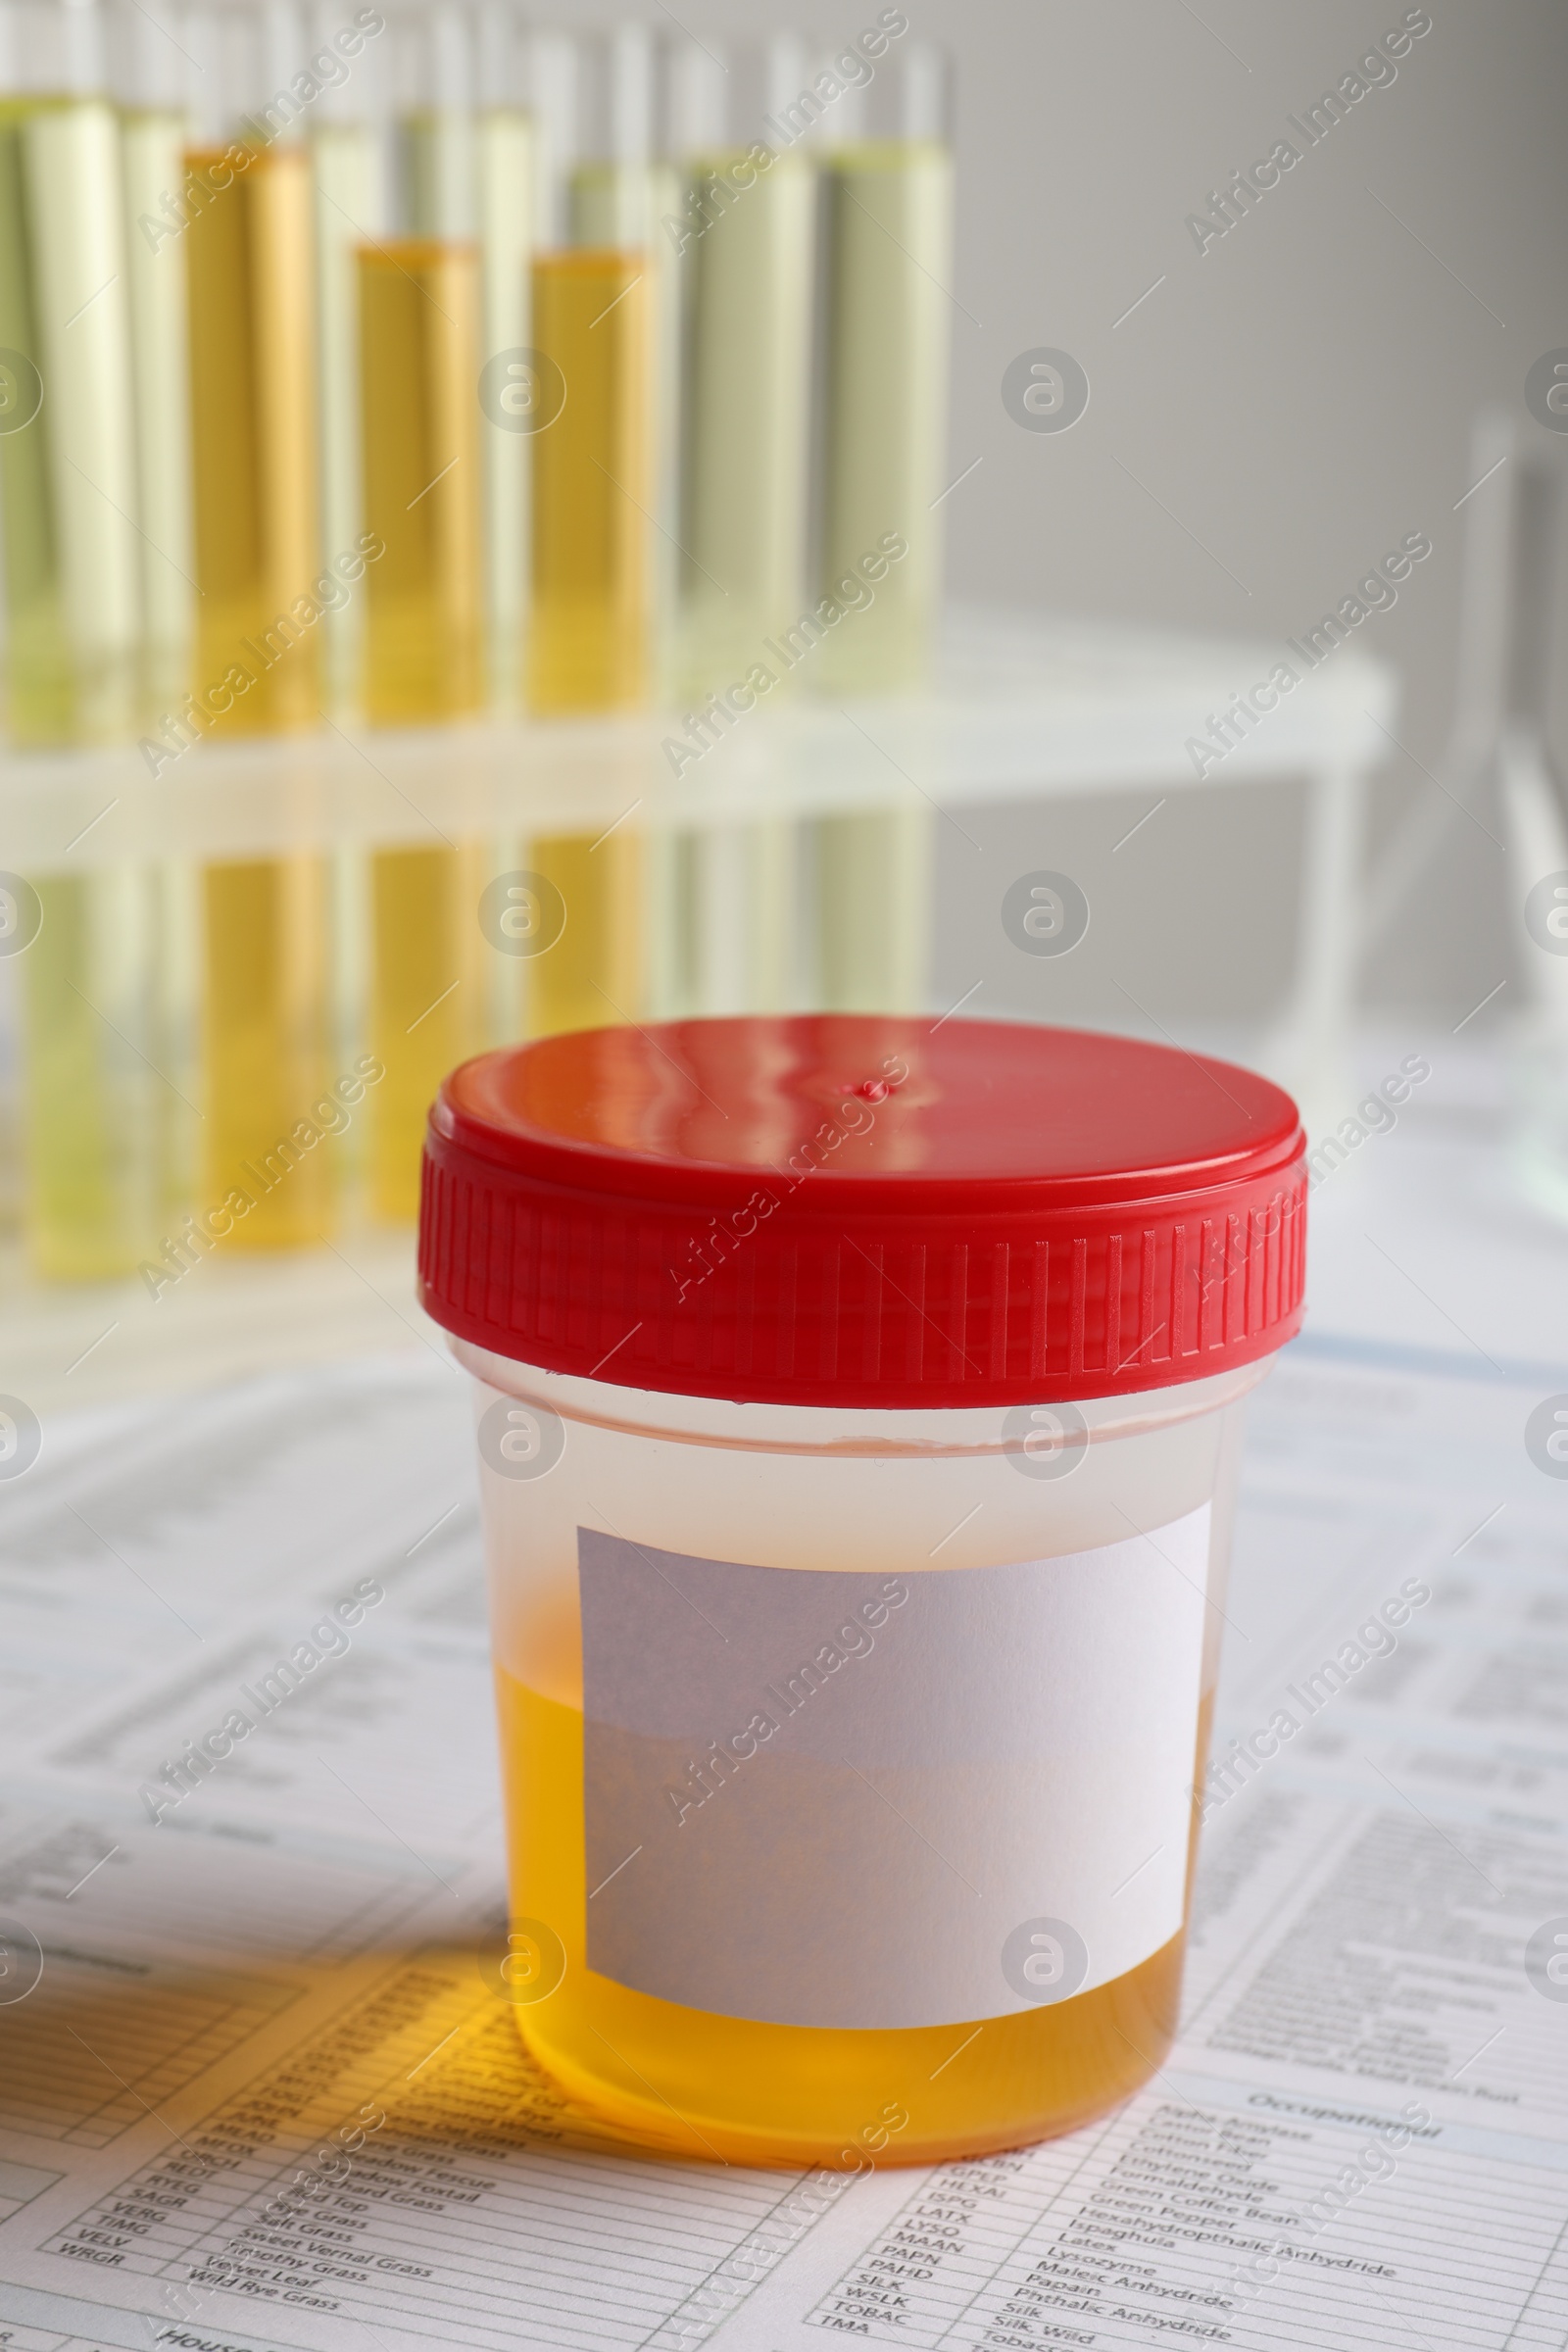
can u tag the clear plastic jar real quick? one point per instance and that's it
(851, 1744)
(908, 1496)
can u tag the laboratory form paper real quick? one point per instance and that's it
(260, 2086)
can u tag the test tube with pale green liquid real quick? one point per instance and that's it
(69, 506)
(889, 239)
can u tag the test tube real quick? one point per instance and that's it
(68, 483)
(621, 201)
(595, 465)
(68, 478)
(592, 978)
(587, 643)
(347, 171)
(349, 142)
(419, 313)
(746, 240)
(153, 134)
(427, 1010)
(888, 204)
(109, 992)
(418, 318)
(424, 302)
(418, 308)
(555, 87)
(588, 617)
(507, 165)
(874, 896)
(518, 225)
(13, 1162)
(38, 665)
(154, 130)
(722, 898)
(618, 195)
(437, 134)
(248, 256)
(265, 1049)
(723, 919)
(889, 238)
(592, 468)
(92, 1118)
(248, 248)
(469, 171)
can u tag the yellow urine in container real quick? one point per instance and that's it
(426, 1005)
(420, 437)
(265, 1050)
(249, 288)
(832, 2090)
(587, 643)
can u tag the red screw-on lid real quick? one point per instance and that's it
(857, 1210)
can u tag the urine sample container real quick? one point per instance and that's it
(859, 1405)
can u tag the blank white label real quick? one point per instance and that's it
(821, 1798)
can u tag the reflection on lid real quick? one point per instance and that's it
(880, 1094)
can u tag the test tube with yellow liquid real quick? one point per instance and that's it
(423, 660)
(265, 1049)
(587, 647)
(250, 293)
(588, 622)
(467, 188)
(470, 163)
(623, 200)
(428, 1008)
(418, 349)
(248, 250)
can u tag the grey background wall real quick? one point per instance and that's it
(1296, 398)
(1299, 396)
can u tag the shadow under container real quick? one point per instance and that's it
(859, 1411)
